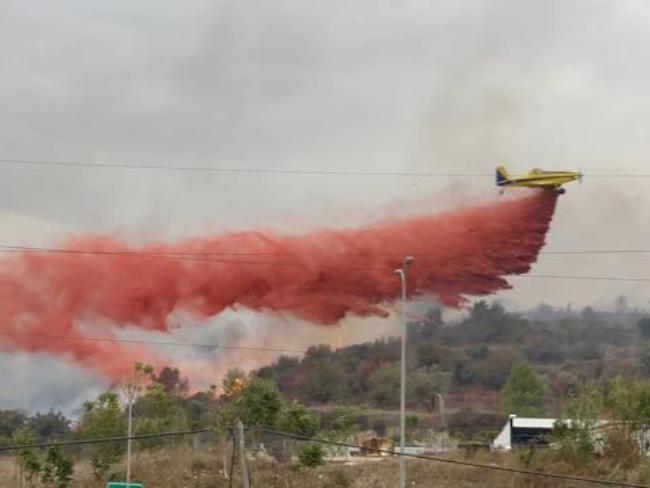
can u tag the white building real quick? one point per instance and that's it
(520, 431)
(523, 431)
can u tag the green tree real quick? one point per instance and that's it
(29, 465)
(48, 426)
(325, 384)
(297, 420)
(523, 393)
(424, 386)
(58, 468)
(259, 403)
(195, 412)
(10, 422)
(628, 401)
(103, 418)
(574, 433)
(345, 420)
(140, 378)
(155, 412)
(384, 385)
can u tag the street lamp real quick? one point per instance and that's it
(403, 275)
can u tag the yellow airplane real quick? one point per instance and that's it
(536, 178)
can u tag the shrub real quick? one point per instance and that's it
(311, 455)
(58, 468)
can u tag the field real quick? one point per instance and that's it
(183, 467)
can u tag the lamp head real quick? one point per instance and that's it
(408, 260)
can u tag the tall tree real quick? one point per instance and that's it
(297, 420)
(259, 403)
(424, 386)
(49, 426)
(57, 468)
(172, 381)
(384, 385)
(28, 464)
(155, 412)
(10, 422)
(103, 418)
(523, 393)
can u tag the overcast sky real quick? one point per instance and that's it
(372, 85)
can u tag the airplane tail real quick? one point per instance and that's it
(502, 175)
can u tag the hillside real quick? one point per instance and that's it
(469, 361)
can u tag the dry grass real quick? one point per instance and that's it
(182, 468)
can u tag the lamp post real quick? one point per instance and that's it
(403, 275)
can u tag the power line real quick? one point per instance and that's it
(205, 257)
(282, 171)
(596, 251)
(154, 343)
(183, 257)
(13, 249)
(527, 472)
(246, 170)
(102, 440)
(585, 278)
(617, 175)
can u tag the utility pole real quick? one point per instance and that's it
(403, 275)
(246, 482)
(130, 394)
(131, 390)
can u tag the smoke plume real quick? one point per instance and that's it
(99, 284)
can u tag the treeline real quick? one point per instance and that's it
(603, 428)
(161, 404)
(477, 352)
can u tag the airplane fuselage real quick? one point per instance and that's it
(537, 179)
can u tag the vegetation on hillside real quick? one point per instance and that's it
(475, 354)
(557, 362)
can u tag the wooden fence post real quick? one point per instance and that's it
(246, 483)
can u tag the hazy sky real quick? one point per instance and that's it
(435, 86)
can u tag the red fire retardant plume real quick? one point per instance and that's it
(321, 276)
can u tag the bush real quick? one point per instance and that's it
(311, 455)
(58, 468)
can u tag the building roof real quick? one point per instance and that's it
(533, 423)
